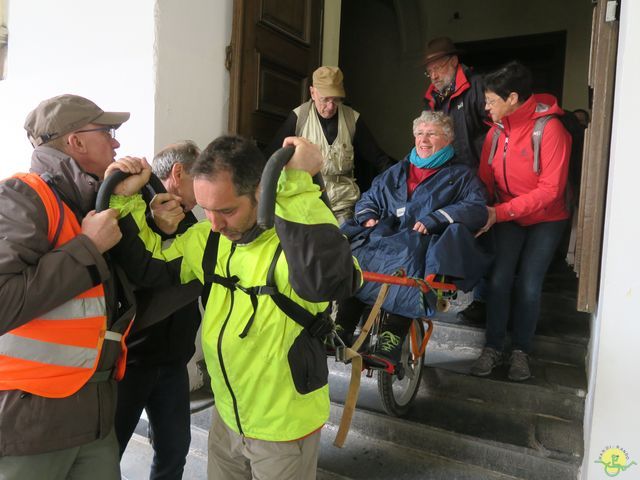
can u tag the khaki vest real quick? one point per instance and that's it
(337, 170)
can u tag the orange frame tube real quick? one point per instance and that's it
(408, 282)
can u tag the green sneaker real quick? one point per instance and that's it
(389, 347)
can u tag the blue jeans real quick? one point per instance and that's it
(164, 392)
(523, 255)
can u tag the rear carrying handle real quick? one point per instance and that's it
(269, 186)
(108, 186)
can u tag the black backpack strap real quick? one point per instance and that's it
(317, 325)
(209, 260)
(271, 274)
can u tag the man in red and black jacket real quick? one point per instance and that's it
(456, 91)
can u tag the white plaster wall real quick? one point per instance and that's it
(612, 416)
(101, 50)
(192, 84)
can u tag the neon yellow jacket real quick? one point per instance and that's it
(253, 377)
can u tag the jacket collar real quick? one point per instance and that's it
(461, 85)
(77, 186)
(537, 105)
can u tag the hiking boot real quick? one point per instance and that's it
(486, 362)
(519, 369)
(389, 347)
(474, 314)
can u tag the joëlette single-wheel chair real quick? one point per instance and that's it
(397, 384)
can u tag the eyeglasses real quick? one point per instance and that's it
(429, 135)
(334, 100)
(490, 103)
(429, 72)
(109, 129)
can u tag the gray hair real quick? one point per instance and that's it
(439, 118)
(185, 152)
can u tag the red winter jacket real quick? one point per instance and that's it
(519, 194)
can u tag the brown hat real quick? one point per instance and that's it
(64, 114)
(328, 82)
(438, 48)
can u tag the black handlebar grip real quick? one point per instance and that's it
(107, 187)
(269, 185)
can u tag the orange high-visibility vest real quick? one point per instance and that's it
(57, 353)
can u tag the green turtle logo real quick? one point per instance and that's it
(614, 461)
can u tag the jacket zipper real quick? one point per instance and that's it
(220, 359)
(504, 164)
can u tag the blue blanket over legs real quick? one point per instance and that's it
(386, 249)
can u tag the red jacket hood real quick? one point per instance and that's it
(537, 105)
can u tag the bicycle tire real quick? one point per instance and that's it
(396, 395)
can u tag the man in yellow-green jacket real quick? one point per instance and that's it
(268, 372)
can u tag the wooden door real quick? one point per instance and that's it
(275, 47)
(595, 165)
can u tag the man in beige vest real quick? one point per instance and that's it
(346, 143)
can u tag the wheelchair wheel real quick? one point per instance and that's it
(397, 391)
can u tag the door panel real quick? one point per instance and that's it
(290, 16)
(275, 48)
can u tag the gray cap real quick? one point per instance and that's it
(64, 114)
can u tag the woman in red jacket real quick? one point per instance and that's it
(528, 215)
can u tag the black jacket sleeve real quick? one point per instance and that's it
(287, 129)
(321, 267)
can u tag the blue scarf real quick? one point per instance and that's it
(436, 160)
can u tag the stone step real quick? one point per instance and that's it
(557, 437)
(533, 396)
(499, 458)
(453, 341)
(552, 375)
(371, 458)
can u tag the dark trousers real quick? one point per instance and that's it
(164, 392)
(523, 255)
